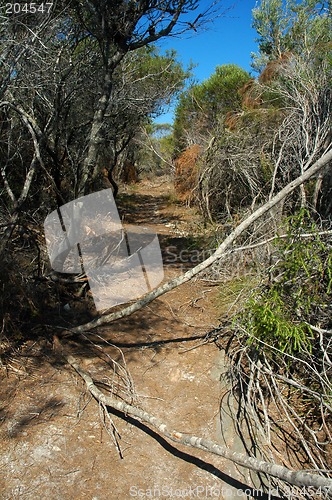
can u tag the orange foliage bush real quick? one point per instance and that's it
(186, 172)
(272, 68)
(129, 173)
(250, 92)
(250, 99)
(232, 120)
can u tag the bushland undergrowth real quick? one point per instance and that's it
(281, 347)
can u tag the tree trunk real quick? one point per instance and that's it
(90, 164)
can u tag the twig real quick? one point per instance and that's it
(112, 431)
(298, 478)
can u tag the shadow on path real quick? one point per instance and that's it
(242, 488)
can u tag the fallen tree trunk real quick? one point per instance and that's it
(217, 255)
(297, 478)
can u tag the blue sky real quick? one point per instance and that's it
(229, 39)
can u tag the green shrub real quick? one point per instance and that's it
(270, 322)
(297, 294)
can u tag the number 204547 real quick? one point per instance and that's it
(28, 8)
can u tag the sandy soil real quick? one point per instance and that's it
(58, 443)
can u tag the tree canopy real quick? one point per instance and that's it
(202, 105)
(302, 28)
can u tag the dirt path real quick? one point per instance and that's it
(56, 442)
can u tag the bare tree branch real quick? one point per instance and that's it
(298, 478)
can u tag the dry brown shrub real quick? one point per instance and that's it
(251, 93)
(186, 172)
(232, 120)
(250, 97)
(273, 67)
(129, 173)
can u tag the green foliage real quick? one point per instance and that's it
(266, 167)
(159, 71)
(303, 27)
(270, 22)
(156, 151)
(232, 294)
(201, 106)
(219, 94)
(271, 323)
(298, 293)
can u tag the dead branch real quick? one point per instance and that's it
(273, 389)
(217, 255)
(298, 478)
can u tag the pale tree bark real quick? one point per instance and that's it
(297, 478)
(217, 255)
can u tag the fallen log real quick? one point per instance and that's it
(298, 478)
